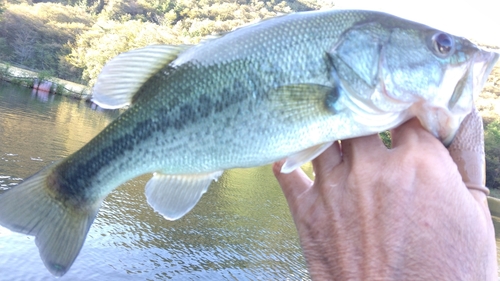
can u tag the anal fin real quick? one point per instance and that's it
(174, 195)
(300, 158)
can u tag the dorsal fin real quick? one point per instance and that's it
(123, 75)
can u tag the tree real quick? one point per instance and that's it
(35, 36)
(106, 39)
(492, 151)
(24, 45)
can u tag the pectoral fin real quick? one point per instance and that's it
(300, 158)
(124, 75)
(174, 195)
(300, 100)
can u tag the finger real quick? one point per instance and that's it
(411, 132)
(294, 183)
(467, 151)
(362, 148)
(326, 161)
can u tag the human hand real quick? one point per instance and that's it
(404, 213)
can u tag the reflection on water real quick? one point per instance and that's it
(240, 230)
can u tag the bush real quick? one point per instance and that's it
(492, 151)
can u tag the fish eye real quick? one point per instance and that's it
(443, 44)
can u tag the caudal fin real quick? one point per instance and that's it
(31, 208)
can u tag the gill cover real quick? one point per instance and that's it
(389, 73)
(356, 57)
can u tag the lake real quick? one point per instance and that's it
(240, 230)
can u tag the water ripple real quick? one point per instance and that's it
(240, 230)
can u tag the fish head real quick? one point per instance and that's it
(438, 73)
(414, 70)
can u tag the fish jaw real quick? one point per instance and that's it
(438, 121)
(443, 121)
(484, 63)
(439, 89)
(352, 113)
(391, 72)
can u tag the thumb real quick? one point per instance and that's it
(467, 151)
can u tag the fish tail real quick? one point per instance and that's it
(33, 208)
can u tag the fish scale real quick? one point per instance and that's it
(286, 87)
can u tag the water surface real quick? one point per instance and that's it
(240, 230)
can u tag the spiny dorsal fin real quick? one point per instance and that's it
(174, 195)
(123, 75)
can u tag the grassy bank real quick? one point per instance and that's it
(43, 82)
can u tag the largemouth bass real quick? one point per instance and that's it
(282, 88)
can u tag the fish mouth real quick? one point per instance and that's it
(483, 63)
(444, 121)
(470, 84)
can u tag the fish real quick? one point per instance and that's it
(286, 87)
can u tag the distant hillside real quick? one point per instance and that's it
(73, 39)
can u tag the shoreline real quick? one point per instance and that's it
(36, 80)
(487, 102)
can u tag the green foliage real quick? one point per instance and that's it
(130, 25)
(74, 38)
(44, 75)
(4, 71)
(106, 39)
(386, 138)
(35, 35)
(61, 89)
(492, 151)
